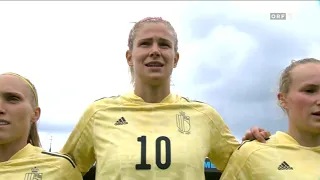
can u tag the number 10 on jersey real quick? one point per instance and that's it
(143, 164)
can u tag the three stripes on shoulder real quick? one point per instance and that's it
(61, 156)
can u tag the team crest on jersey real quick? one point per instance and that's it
(34, 175)
(183, 123)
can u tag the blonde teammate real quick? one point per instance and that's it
(151, 133)
(21, 157)
(295, 154)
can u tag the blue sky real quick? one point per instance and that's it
(231, 55)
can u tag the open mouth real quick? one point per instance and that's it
(154, 64)
(316, 113)
(3, 123)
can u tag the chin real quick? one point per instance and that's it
(155, 76)
(4, 140)
(156, 80)
(314, 128)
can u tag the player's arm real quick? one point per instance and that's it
(69, 169)
(66, 167)
(80, 143)
(239, 167)
(73, 173)
(223, 143)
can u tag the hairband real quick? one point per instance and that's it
(28, 82)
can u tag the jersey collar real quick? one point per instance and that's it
(171, 98)
(284, 138)
(24, 152)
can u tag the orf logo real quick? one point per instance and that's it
(183, 123)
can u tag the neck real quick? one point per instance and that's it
(9, 149)
(151, 93)
(304, 138)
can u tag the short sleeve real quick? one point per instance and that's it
(80, 145)
(223, 143)
(73, 173)
(239, 167)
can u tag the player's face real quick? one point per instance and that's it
(153, 56)
(16, 112)
(303, 99)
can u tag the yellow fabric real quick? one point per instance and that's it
(279, 159)
(177, 131)
(32, 162)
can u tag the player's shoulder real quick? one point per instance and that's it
(201, 106)
(61, 160)
(249, 148)
(99, 105)
(195, 102)
(188, 100)
(106, 100)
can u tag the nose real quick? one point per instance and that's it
(154, 52)
(318, 100)
(2, 111)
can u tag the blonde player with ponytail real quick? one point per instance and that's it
(151, 133)
(21, 155)
(294, 154)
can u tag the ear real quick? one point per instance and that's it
(129, 58)
(282, 100)
(176, 60)
(36, 115)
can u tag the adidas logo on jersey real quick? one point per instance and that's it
(121, 121)
(284, 166)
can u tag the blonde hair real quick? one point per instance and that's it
(138, 24)
(33, 137)
(285, 78)
(136, 27)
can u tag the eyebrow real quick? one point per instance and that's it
(160, 39)
(308, 85)
(11, 93)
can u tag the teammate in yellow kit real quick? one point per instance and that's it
(151, 133)
(294, 155)
(21, 157)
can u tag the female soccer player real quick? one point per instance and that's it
(20, 154)
(151, 133)
(296, 153)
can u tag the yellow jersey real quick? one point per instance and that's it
(33, 163)
(130, 139)
(280, 158)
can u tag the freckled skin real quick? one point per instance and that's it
(153, 42)
(16, 108)
(304, 97)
